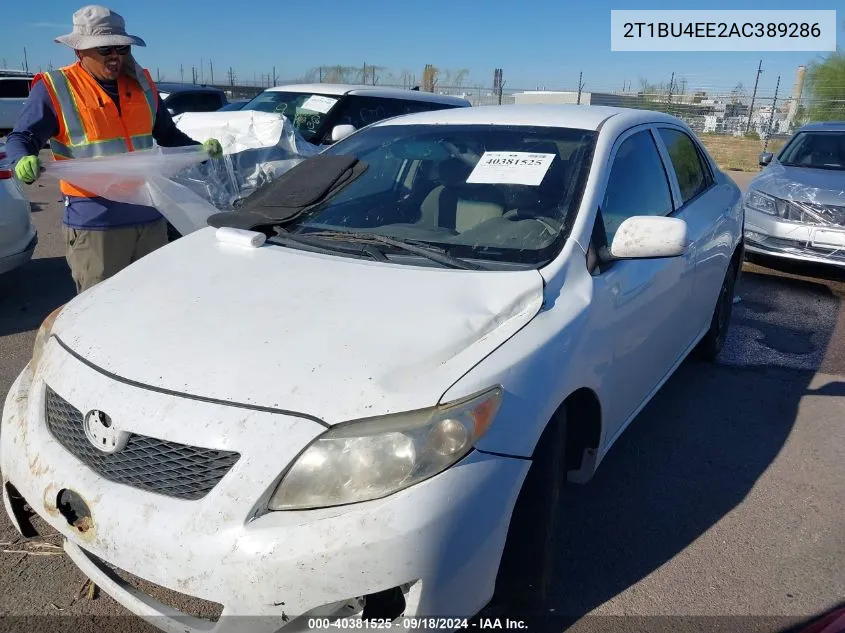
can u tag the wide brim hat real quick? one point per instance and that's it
(95, 26)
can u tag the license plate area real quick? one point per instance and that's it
(829, 239)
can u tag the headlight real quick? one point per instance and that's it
(373, 458)
(43, 335)
(761, 202)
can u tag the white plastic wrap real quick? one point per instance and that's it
(183, 183)
(801, 212)
(258, 147)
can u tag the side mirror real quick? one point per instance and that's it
(340, 132)
(766, 158)
(649, 237)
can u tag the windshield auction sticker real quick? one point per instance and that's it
(318, 103)
(511, 168)
(730, 30)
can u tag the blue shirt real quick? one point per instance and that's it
(38, 123)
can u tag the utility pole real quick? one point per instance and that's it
(231, 77)
(498, 84)
(182, 72)
(671, 87)
(25, 60)
(211, 70)
(274, 75)
(158, 74)
(194, 74)
(321, 74)
(580, 85)
(772, 115)
(202, 70)
(754, 96)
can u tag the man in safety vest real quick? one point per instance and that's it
(104, 104)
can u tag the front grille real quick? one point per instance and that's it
(794, 247)
(147, 463)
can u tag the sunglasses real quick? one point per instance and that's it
(120, 50)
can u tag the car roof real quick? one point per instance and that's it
(823, 126)
(177, 87)
(371, 91)
(584, 117)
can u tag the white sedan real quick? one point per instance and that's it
(361, 397)
(18, 236)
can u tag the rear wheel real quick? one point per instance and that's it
(528, 562)
(711, 345)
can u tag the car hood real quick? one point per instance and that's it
(327, 336)
(802, 184)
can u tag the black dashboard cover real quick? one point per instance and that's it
(309, 183)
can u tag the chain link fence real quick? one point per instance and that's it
(763, 116)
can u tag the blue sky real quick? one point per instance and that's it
(535, 42)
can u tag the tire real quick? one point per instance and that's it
(711, 345)
(527, 569)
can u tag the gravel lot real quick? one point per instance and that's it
(724, 500)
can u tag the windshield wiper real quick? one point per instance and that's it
(428, 251)
(325, 246)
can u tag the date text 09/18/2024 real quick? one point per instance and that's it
(410, 624)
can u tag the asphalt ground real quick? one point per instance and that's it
(722, 507)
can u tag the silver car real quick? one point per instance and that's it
(795, 208)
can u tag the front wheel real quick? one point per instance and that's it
(528, 561)
(711, 345)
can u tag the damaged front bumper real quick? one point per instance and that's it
(769, 235)
(434, 547)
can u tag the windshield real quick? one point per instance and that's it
(495, 193)
(306, 111)
(819, 150)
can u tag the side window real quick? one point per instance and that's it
(195, 102)
(693, 175)
(637, 184)
(14, 88)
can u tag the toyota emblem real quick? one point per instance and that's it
(101, 432)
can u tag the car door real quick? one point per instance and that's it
(640, 303)
(705, 207)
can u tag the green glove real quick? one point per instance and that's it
(213, 147)
(28, 169)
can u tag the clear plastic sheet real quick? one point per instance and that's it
(258, 147)
(183, 183)
(801, 212)
(145, 178)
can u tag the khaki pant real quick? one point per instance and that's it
(97, 255)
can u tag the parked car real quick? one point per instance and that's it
(14, 90)
(325, 113)
(360, 394)
(179, 98)
(795, 208)
(18, 236)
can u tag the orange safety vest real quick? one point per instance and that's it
(90, 124)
